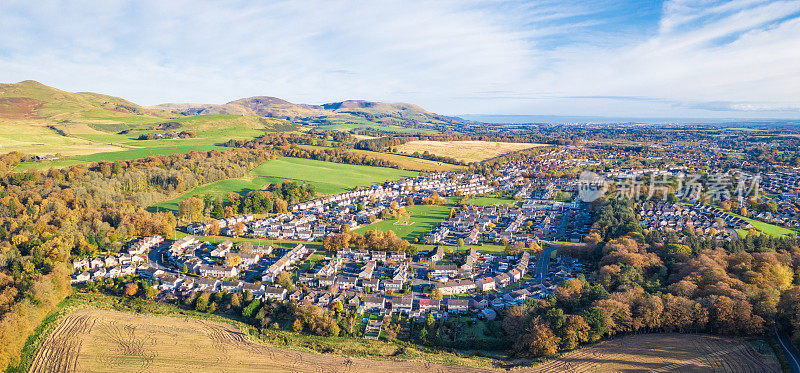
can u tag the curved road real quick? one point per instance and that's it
(790, 352)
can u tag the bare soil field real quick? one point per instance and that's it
(467, 151)
(665, 353)
(94, 340)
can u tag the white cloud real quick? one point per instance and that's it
(449, 56)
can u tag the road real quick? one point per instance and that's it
(155, 256)
(790, 352)
(543, 264)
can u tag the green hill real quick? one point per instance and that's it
(33, 100)
(38, 119)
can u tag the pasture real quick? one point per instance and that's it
(467, 151)
(121, 155)
(35, 137)
(101, 140)
(327, 177)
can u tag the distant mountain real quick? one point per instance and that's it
(354, 113)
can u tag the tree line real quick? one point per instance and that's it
(650, 283)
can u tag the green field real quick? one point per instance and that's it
(92, 145)
(124, 155)
(423, 219)
(328, 177)
(766, 228)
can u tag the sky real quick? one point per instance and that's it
(676, 58)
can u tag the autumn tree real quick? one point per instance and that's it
(191, 209)
(131, 289)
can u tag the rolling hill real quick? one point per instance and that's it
(345, 115)
(41, 120)
(31, 100)
(38, 119)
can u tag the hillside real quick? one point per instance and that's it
(41, 120)
(31, 100)
(345, 115)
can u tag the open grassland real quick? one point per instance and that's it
(467, 151)
(327, 177)
(667, 353)
(82, 143)
(35, 137)
(422, 219)
(95, 340)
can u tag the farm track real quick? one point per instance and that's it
(100, 340)
(59, 352)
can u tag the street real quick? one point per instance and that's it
(543, 263)
(790, 352)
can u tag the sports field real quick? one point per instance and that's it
(467, 151)
(328, 177)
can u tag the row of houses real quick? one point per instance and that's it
(292, 256)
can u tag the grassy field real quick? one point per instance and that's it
(121, 155)
(423, 219)
(667, 352)
(467, 151)
(328, 177)
(766, 228)
(35, 137)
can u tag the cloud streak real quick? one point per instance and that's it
(541, 57)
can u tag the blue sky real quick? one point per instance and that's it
(675, 58)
